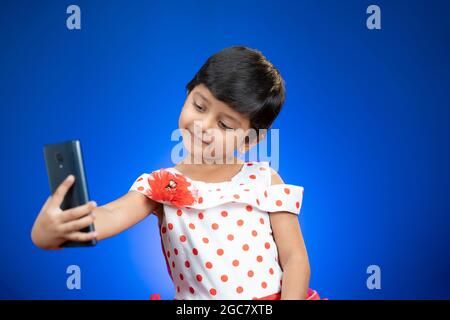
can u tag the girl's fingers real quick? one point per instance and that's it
(81, 236)
(78, 212)
(76, 225)
(60, 192)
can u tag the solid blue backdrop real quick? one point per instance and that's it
(365, 130)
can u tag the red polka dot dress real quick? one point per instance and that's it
(221, 246)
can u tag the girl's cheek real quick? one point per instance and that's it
(181, 123)
(186, 115)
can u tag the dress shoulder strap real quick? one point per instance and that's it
(258, 172)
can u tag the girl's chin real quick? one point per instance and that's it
(207, 158)
(204, 154)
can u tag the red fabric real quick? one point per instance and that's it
(312, 295)
(169, 187)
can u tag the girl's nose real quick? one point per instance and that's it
(207, 126)
(208, 136)
(207, 123)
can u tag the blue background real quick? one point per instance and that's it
(365, 129)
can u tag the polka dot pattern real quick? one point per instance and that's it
(222, 246)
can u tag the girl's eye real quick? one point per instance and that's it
(199, 108)
(224, 126)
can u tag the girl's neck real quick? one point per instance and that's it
(215, 172)
(205, 165)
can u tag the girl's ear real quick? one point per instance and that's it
(252, 139)
(262, 135)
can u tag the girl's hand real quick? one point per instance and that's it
(54, 226)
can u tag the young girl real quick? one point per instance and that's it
(229, 229)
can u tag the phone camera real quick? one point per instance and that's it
(60, 159)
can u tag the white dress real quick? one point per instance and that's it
(222, 246)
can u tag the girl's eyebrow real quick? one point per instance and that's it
(224, 114)
(232, 119)
(203, 98)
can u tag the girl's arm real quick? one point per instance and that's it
(292, 252)
(122, 213)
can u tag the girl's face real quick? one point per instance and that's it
(211, 129)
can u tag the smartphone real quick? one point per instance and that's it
(61, 160)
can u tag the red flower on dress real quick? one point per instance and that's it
(170, 187)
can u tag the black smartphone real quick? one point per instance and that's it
(61, 160)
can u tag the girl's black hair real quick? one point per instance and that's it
(245, 80)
